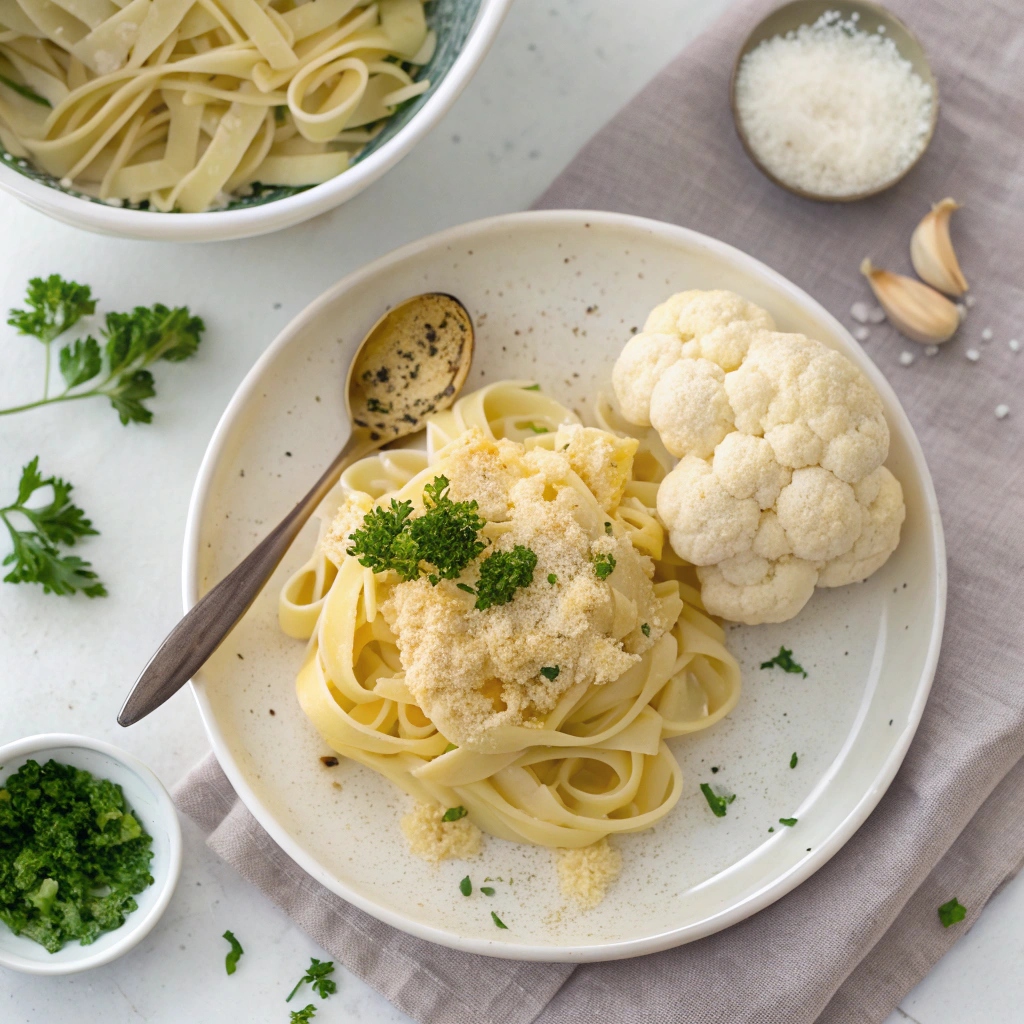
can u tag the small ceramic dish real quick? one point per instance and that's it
(149, 802)
(871, 17)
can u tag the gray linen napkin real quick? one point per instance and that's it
(848, 944)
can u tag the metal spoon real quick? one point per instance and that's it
(413, 362)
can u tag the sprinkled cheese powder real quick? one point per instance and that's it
(434, 839)
(832, 110)
(586, 874)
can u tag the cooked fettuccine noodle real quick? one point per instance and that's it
(545, 717)
(181, 103)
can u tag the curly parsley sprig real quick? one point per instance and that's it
(35, 554)
(118, 369)
(317, 976)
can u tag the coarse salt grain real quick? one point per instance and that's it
(969, 301)
(973, 354)
(906, 358)
(1002, 411)
(861, 333)
(860, 312)
(832, 110)
(932, 350)
(1014, 345)
(876, 315)
(986, 335)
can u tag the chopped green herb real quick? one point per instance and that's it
(451, 746)
(466, 587)
(55, 305)
(383, 542)
(466, 887)
(952, 912)
(793, 760)
(604, 565)
(303, 1016)
(715, 770)
(608, 528)
(73, 856)
(498, 921)
(784, 660)
(532, 387)
(26, 91)
(718, 804)
(537, 430)
(771, 828)
(454, 813)
(317, 976)
(35, 556)
(446, 535)
(552, 578)
(645, 628)
(280, 113)
(550, 672)
(231, 960)
(788, 822)
(502, 574)
(487, 890)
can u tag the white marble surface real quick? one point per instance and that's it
(559, 69)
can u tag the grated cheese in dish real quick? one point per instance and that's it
(831, 109)
(434, 839)
(586, 873)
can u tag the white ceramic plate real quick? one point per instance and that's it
(554, 296)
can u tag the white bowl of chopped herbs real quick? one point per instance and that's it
(90, 853)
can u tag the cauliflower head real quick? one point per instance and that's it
(780, 486)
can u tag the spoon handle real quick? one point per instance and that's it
(192, 641)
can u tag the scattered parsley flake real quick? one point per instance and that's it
(645, 628)
(451, 746)
(454, 813)
(532, 387)
(498, 921)
(466, 887)
(317, 976)
(502, 574)
(788, 822)
(604, 566)
(608, 528)
(550, 672)
(793, 760)
(537, 430)
(784, 660)
(952, 912)
(26, 91)
(35, 556)
(718, 804)
(231, 960)
(487, 890)
(552, 578)
(466, 587)
(303, 1016)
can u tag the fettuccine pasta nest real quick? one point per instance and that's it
(180, 104)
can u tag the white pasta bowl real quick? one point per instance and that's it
(150, 803)
(465, 29)
(554, 296)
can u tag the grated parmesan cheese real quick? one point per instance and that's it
(587, 873)
(435, 840)
(833, 110)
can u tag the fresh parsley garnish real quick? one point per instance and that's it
(550, 672)
(645, 628)
(317, 976)
(498, 921)
(35, 556)
(532, 387)
(487, 890)
(784, 660)
(466, 887)
(466, 587)
(26, 91)
(454, 813)
(552, 578)
(73, 856)
(303, 1016)
(718, 804)
(384, 542)
(793, 760)
(118, 370)
(502, 574)
(608, 528)
(604, 565)
(788, 822)
(231, 960)
(952, 912)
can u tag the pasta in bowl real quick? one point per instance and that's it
(260, 114)
(538, 694)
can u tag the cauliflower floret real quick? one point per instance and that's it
(690, 409)
(880, 497)
(819, 513)
(639, 367)
(726, 345)
(812, 405)
(692, 314)
(753, 590)
(706, 523)
(771, 541)
(747, 468)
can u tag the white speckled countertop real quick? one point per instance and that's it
(67, 663)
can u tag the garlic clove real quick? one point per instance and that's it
(914, 309)
(932, 253)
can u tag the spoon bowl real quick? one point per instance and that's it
(412, 362)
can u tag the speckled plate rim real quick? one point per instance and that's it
(743, 908)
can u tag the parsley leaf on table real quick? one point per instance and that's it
(233, 954)
(303, 1016)
(35, 556)
(952, 912)
(454, 813)
(784, 660)
(317, 976)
